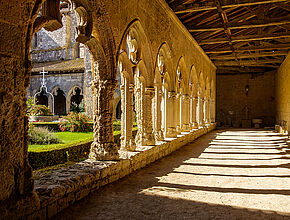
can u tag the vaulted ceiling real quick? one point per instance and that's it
(239, 36)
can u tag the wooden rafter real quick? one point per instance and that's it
(253, 55)
(211, 6)
(246, 38)
(249, 62)
(248, 24)
(250, 48)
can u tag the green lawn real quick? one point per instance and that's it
(68, 139)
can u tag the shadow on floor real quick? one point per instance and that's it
(126, 199)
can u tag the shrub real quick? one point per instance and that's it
(39, 110)
(75, 122)
(78, 107)
(41, 135)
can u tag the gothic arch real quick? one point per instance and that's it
(136, 46)
(70, 94)
(201, 84)
(182, 77)
(195, 80)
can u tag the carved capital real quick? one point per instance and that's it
(132, 46)
(150, 91)
(171, 95)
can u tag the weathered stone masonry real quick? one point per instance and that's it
(106, 34)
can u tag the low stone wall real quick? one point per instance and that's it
(62, 188)
(77, 152)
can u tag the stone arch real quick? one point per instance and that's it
(95, 32)
(59, 101)
(163, 68)
(195, 80)
(201, 85)
(135, 65)
(136, 45)
(72, 92)
(183, 98)
(182, 77)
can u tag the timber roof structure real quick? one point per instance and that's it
(239, 36)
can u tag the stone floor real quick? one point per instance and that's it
(227, 174)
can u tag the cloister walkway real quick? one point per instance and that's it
(226, 174)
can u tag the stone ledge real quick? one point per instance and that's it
(61, 188)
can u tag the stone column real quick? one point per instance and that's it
(212, 110)
(164, 109)
(171, 114)
(191, 112)
(195, 113)
(103, 146)
(178, 110)
(157, 114)
(184, 113)
(127, 141)
(149, 137)
(206, 111)
(142, 96)
(201, 112)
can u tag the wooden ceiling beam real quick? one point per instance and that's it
(239, 70)
(248, 24)
(202, 6)
(250, 48)
(246, 38)
(253, 55)
(266, 63)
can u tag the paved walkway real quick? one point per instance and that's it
(234, 174)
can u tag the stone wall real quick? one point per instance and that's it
(57, 45)
(232, 98)
(283, 94)
(109, 23)
(63, 187)
(63, 81)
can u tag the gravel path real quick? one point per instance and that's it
(232, 174)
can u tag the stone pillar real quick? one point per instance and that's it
(191, 112)
(142, 137)
(103, 146)
(195, 113)
(184, 113)
(164, 109)
(212, 111)
(127, 141)
(157, 114)
(201, 112)
(206, 111)
(171, 114)
(177, 116)
(149, 94)
(68, 34)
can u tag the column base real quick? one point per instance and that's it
(201, 125)
(195, 125)
(144, 139)
(128, 144)
(105, 151)
(186, 127)
(158, 135)
(171, 132)
(178, 129)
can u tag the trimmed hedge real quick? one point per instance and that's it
(55, 127)
(74, 153)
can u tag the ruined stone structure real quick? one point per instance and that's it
(164, 73)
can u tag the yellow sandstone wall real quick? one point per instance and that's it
(283, 93)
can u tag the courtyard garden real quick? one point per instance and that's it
(65, 140)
